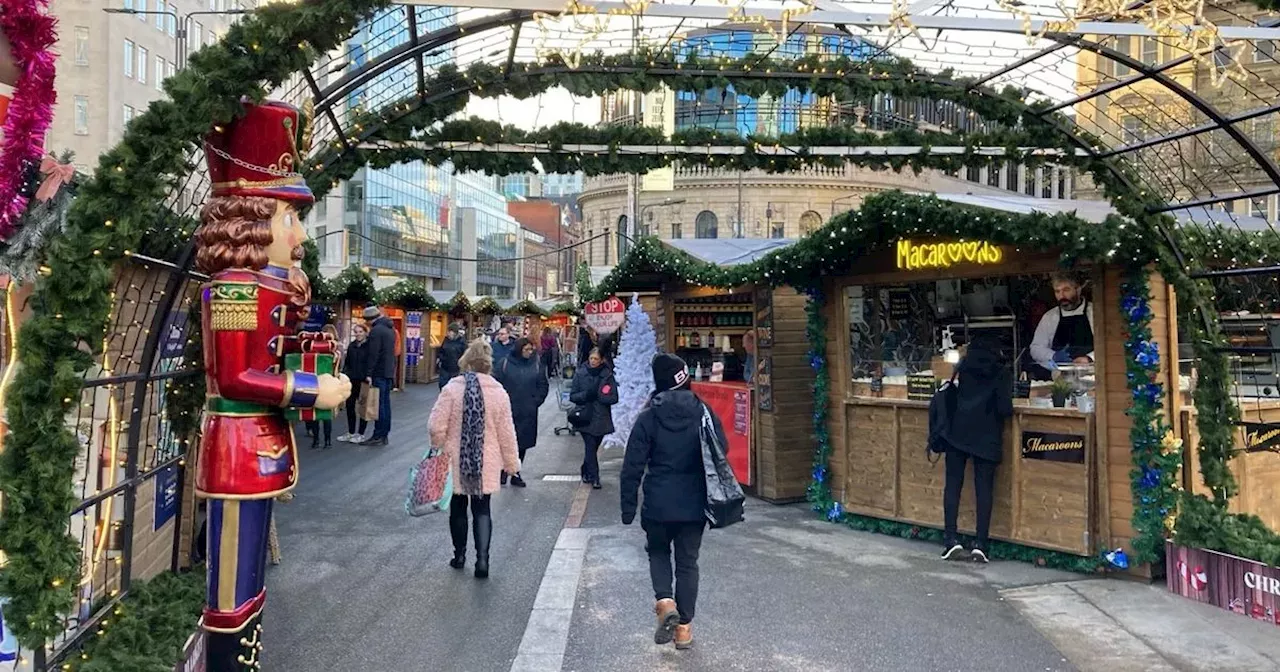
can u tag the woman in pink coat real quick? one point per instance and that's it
(472, 422)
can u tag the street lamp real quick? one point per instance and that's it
(181, 21)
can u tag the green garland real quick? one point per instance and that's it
(1020, 145)
(148, 629)
(1156, 457)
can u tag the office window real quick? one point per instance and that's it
(169, 69)
(779, 230)
(1264, 132)
(128, 4)
(1133, 132)
(1122, 46)
(171, 21)
(213, 5)
(198, 41)
(1264, 51)
(82, 45)
(677, 231)
(1150, 50)
(82, 115)
(128, 59)
(128, 114)
(160, 73)
(141, 6)
(706, 225)
(144, 62)
(159, 17)
(1258, 207)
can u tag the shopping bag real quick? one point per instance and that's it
(368, 402)
(725, 498)
(430, 484)
(580, 416)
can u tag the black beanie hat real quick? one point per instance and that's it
(669, 373)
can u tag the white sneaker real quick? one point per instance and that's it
(345, 438)
(358, 438)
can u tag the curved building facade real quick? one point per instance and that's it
(696, 202)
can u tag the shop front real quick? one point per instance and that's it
(896, 329)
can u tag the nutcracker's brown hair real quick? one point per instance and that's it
(235, 234)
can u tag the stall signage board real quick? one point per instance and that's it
(1053, 447)
(606, 316)
(763, 380)
(1261, 437)
(899, 299)
(921, 388)
(1228, 582)
(166, 504)
(764, 318)
(914, 256)
(729, 403)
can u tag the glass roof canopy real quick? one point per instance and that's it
(1193, 108)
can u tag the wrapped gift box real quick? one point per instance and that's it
(309, 362)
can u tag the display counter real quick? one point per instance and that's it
(731, 403)
(1044, 486)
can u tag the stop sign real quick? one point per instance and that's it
(605, 316)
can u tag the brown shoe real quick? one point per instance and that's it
(668, 619)
(684, 636)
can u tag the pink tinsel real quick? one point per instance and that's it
(31, 37)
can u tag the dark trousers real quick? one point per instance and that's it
(984, 484)
(382, 426)
(590, 457)
(352, 402)
(687, 540)
(458, 519)
(313, 428)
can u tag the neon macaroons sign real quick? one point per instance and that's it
(913, 256)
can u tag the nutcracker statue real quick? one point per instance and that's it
(249, 244)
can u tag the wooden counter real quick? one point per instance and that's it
(1257, 473)
(1037, 502)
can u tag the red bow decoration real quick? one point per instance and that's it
(55, 175)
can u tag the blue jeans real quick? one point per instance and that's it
(382, 426)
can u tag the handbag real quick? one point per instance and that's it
(368, 402)
(430, 484)
(725, 498)
(580, 415)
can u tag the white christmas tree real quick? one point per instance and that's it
(632, 368)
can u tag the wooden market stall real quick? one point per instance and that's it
(748, 354)
(1063, 483)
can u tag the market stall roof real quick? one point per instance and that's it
(729, 251)
(1097, 211)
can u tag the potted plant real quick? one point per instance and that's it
(1061, 390)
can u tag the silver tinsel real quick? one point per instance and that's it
(23, 253)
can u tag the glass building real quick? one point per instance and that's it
(483, 226)
(556, 185)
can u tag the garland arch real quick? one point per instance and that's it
(120, 206)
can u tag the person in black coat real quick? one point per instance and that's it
(984, 401)
(595, 388)
(666, 443)
(382, 370)
(526, 384)
(449, 354)
(356, 365)
(587, 340)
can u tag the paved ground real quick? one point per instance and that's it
(364, 587)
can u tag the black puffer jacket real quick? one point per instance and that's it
(382, 349)
(356, 363)
(665, 442)
(984, 400)
(597, 388)
(448, 355)
(526, 385)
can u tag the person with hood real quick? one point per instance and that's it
(449, 353)
(471, 422)
(526, 384)
(595, 389)
(356, 366)
(665, 453)
(588, 339)
(984, 401)
(503, 346)
(382, 371)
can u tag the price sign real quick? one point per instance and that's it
(605, 316)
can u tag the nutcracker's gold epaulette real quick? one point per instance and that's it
(233, 306)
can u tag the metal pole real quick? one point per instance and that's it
(737, 233)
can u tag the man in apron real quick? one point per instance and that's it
(1065, 333)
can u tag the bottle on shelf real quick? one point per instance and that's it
(711, 339)
(695, 340)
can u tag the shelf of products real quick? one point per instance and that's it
(1256, 374)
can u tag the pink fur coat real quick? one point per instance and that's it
(500, 451)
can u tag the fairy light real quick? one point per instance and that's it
(103, 527)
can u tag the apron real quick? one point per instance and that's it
(1074, 333)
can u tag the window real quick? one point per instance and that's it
(1133, 132)
(1011, 176)
(82, 115)
(213, 5)
(144, 62)
(198, 41)
(1123, 46)
(1029, 181)
(169, 69)
(1264, 51)
(159, 17)
(141, 6)
(677, 231)
(1264, 132)
(321, 243)
(160, 73)
(171, 21)
(810, 222)
(779, 230)
(128, 59)
(1048, 175)
(1063, 175)
(705, 225)
(1150, 51)
(355, 196)
(82, 45)
(128, 114)
(128, 4)
(993, 175)
(1258, 207)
